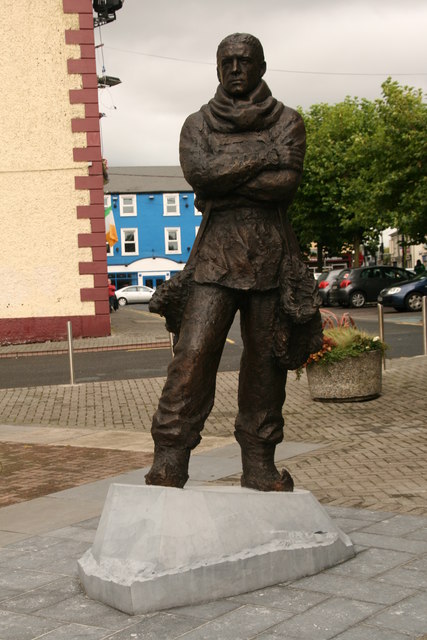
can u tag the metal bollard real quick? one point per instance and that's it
(171, 337)
(381, 326)
(425, 324)
(70, 350)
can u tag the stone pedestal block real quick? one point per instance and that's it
(159, 547)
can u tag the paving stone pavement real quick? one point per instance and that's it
(366, 462)
(376, 453)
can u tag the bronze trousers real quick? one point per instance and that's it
(189, 391)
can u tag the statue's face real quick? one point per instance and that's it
(238, 70)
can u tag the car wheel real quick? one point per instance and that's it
(357, 299)
(414, 301)
(123, 302)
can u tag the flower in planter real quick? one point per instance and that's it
(341, 340)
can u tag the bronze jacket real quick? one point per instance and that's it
(245, 157)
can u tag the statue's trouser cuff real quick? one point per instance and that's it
(189, 392)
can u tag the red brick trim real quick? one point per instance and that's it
(22, 330)
(79, 36)
(86, 154)
(85, 66)
(91, 268)
(77, 6)
(93, 294)
(91, 211)
(77, 65)
(83, 96)
(89, 182)
(92, 240)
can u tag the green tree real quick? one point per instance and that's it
(400, 167)
(334, 203)
(364, 170)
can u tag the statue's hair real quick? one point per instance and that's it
(242, 38)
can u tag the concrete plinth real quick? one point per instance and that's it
(158, 547)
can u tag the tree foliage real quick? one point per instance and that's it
(364, 170)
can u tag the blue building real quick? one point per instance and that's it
(156, 224)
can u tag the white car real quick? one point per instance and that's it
(134, 294)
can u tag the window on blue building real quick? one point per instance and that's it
(128, 205)
(129, 239)
(171, 204)
(173, 240)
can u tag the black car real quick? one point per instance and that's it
(355, 287)
(325, 282)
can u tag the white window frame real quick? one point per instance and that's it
(122, 197)
(123, 242)
(176, 230)
(175, 196)
(196, 211)
(196, 229)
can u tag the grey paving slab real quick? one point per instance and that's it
(6, 537)
(408, 616)
(356, 588)
(58, 558)
(397, 526)
(76, 632)
(13, 582)
(372, 562)
(208, 611)
(419, 534)
(82, 534)
(362, 514)
(81, 610)
(405, 577)
(289, 599)
(43, 596)
(161, 626)
(91, 523)
(389, 542)
(365, 632)
(351, 524)
(44, 514)
(33, 544)
(326, 619)
(14, 626)
(242, 623)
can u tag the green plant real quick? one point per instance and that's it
(341, 340)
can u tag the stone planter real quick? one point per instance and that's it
(351, 380)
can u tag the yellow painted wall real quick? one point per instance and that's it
(39, 267)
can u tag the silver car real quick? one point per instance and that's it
(134, 294)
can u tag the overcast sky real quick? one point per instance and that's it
(316, 51)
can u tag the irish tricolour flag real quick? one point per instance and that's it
(110, 227)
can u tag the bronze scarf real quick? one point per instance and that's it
(230, 115)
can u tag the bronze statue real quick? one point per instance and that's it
(243, 155)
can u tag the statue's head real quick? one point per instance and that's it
(240, 64)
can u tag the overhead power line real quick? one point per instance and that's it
(316, 73)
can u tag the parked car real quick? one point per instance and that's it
(358, 286)
(133, 294)
(325, 282)
(334, 286)
(406, 295)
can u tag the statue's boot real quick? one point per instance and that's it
(259, 470)
(169, 468)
